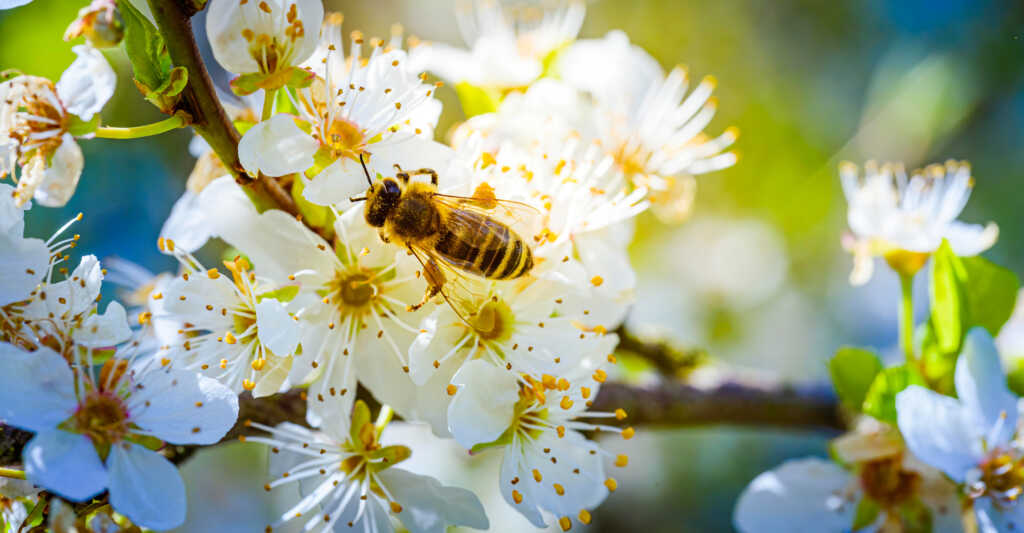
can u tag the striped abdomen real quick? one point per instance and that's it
(483, 246)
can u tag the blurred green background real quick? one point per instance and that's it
(764, 286)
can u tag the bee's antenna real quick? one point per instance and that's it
(365, 171)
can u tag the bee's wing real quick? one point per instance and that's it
(524, 219)
(464, 292)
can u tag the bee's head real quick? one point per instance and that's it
(381, 198)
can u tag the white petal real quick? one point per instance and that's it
(330, 397)
(939, 430)
(11, 4)
(20, 256)
(510, 470)
(998, 518)
(86, 86)
(276, 147)
(800, 495)
(60, 178)
(429, 507)
(439, 334)
(981, 387)
(277, 330)
(484, 404)
(573, 453)
(37, 389)
(186, 225)
(146, 487)
(276, 243)
(108, 329)
(183, 407)
(227, 20)
(65, 463)
(971, 239)
(341, 180)
(79, 293)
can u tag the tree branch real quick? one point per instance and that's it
(199, 99)
(667, 358)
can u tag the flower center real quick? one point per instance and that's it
(352, 291)
(886, 482)
(38, 119)
(631, 158)
(492, 321)
(1002, 477)
(102, 417)
(344, 138)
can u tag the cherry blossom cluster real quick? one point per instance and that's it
(585, 134)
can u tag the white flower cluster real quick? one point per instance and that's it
(473, 286)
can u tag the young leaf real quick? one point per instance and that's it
(915, 516)
(866, 513)
(145, 47)
(852, 371)
(991, 293)
(1015, 377)
(880, 401)
(947, 298)
(937, 365)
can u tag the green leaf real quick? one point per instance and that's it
(477, 100)
(991, 293)
(1015, 377)
(937, 365)
(880, 401)
(947, 298)
(916, 517)
(145, 47)
(852, 371)
(866, 513)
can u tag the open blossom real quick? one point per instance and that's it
(266, 37)
(647, 121)
(36, 119)
(905, 219)
(815, 491)
(351, 302)
(508, 44)
(24, 261)
(375, 108)
(548, 464)
(235, 329)
(89, 427)
(349, 481)
(972, 438)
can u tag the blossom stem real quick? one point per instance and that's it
(906, 316)
(268, 103)
(12, 473)
(178, 120)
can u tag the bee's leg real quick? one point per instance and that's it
(402, 175)
(435, 281)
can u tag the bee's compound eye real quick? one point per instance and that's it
(391, 189)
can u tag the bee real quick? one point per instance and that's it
(455, 238)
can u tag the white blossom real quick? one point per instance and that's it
(509, 45)
(349, 479)
(88, 427)
(971, 438)
(36, 117)
(263, 36)
(906, 219)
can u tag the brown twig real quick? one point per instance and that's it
(665, 356)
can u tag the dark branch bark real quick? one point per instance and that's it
(667, 358)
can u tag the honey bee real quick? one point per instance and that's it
(451, 236)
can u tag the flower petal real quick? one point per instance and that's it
(484, 404)
(341, 180)
(939, 430)
(798, 495)
(60, 177)
(108, 329)
(146, 487)
(182, 407)
(24, 263)
(277, 330)
(64, 463)
(86, 86)
(186, 225)
(429, 507)
(37, 389)
(971, 239)
(276, 147)
(981, 387)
